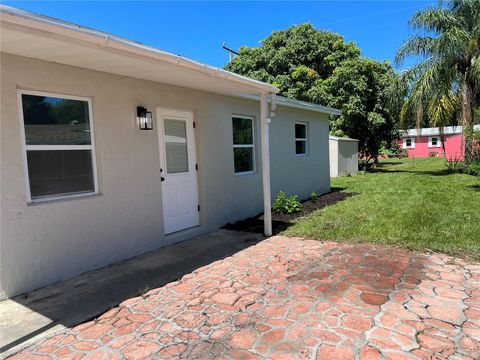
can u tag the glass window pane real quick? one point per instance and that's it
(300, 131)
(176, 146)
(300, 147)
(60, 172)
(243, 159)
(242, 131)
(55, 121)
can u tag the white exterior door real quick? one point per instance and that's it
(178, 169)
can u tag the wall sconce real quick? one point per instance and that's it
(144, 118)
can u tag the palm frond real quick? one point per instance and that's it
(434, 19)
(446, 83)
(415, 46)
(433, 79)
(442, 109)
(475, 70)
(451, 43)
(409, 75)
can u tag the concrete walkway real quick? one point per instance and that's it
(287, 298)
(30, 317)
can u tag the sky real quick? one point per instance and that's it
(197, 29)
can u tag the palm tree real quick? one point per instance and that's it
(445, 83)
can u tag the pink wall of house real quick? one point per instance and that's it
(453, 146)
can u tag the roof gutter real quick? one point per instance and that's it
(55, 27)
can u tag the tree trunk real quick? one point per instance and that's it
(467, 121)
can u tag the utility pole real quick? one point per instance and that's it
(232, 52)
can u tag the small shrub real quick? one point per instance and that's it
(286, 206)
(404, 153)
(314, 196)
(384, 152)
(279, 202)
(292, 205)
(365, 166)
(393, 151)
(473, 169)
(455, 165)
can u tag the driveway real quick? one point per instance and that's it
(287, 298)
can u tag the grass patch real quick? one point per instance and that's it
(415, 204)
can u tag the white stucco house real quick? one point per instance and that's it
(110, 149)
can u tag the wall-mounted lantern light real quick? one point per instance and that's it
(144, 118)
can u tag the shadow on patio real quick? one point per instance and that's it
(31, 316)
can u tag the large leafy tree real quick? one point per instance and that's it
(367, 92)
(444, 85)
(319, 66)
(293, 59)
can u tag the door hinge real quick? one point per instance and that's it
(198, 207)
(194, 125)
(196, 167)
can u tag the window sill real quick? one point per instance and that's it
(56, 199)
(246, 173)
(301, 155)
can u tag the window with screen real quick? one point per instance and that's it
(58, 145)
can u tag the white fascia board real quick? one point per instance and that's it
(307, 106)
(32, 22)
(297, 104)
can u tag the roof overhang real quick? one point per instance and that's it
(37, 36)
(302, 105)
(447, 130)
(307, 106)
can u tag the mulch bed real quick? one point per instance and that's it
(281, 222)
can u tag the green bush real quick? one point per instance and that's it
(314, 196)
(473, 169)
(286, 206)
(386, 152)
(455, 165)
(393, 151)
(292, 205)
(279, 203)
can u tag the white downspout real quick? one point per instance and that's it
(267, 197)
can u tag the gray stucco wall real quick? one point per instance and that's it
(48, 242)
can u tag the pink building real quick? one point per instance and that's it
(427, 142)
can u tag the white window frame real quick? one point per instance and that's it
(235, 146)
(412, 143)
(26, 147)
(439, 142)
(302, 139)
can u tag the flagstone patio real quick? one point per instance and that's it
(288, 298)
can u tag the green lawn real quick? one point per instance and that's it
(416, 205)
